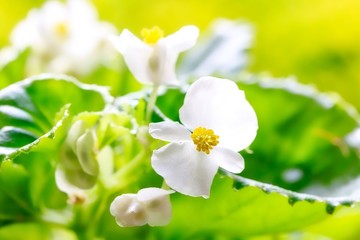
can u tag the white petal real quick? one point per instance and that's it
(169, 131)
(128, 211)
(167, 58)
(184, 169)
(227, 159)
(136, 55)
(149, 194)
(170, 47)
(183, 39)
(157, 204)
(218, 104)
(162, 64)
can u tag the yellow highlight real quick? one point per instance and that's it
(151, 36)
(204, 139)
(62, 29)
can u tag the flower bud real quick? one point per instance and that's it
(149, 206)
(127, 211)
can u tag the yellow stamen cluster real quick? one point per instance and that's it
(151, 36)
(204, 139)
(62, 29)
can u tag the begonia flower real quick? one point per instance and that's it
(64, 37)
(217, 123)
(152, 61)
(149, 206)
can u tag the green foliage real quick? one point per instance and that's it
(38, 107)
(13, 69)
(300, 129)
(29, 109)
(36, 231)
(293, 114)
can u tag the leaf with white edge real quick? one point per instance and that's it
(300, 137)
(244, 213)
(29, 108)
(36, 170)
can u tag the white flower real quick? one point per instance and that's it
(149, 206)
(153, 60)
(217, 123)
(63, 37)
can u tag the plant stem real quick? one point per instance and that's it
(122, 174)
(151, 103)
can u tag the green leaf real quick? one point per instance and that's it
(344, 225)
(12, 66)
(239, 213)
(15, 202)
(35, 116)
(35, 231)
(300, 142)
(28, 109)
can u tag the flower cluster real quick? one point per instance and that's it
(216, 123)
(63, 37)
(216, 120)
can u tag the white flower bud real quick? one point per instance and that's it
(127, 211)
(149, 206)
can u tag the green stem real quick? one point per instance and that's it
(99, 212)
(122, 175)
(151, 103)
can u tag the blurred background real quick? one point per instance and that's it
(318, 41)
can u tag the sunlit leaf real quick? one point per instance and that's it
(35, 231)
(28, 109)
(12, 66)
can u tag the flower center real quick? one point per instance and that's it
(204, 139)
(151, 36)
(62, 30)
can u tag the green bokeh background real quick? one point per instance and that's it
(318, 41)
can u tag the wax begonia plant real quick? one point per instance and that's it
(79, 163)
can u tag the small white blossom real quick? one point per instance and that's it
(153, 60)
(218, 122)
(149, 206)
(63, 37)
